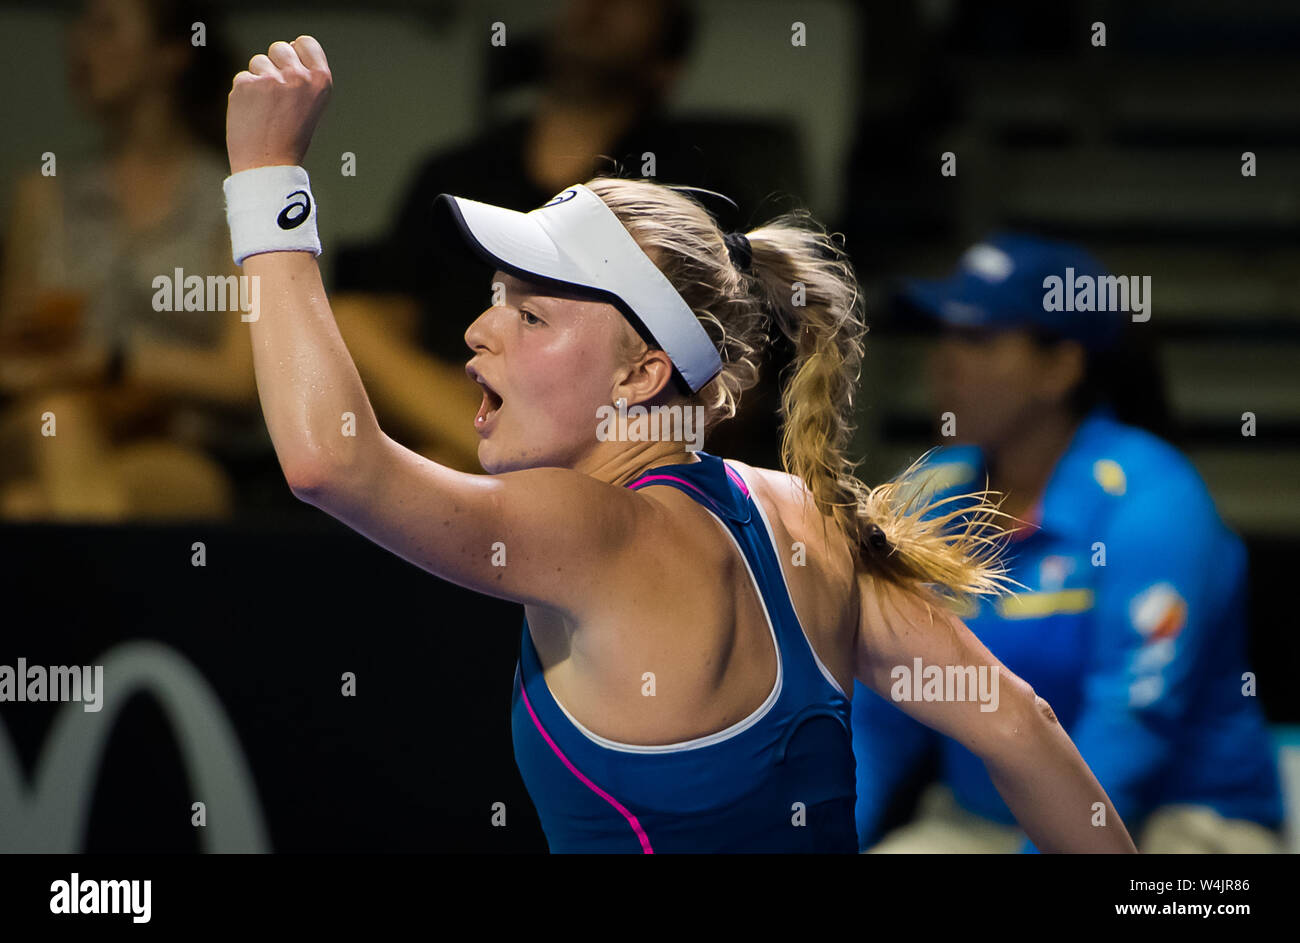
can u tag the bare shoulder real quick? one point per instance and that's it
(826, 575)
(791, 498)
(818, 566)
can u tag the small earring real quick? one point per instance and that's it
(620, 403)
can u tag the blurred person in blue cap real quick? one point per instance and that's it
(1132, 620)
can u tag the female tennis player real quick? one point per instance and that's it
(692, 624)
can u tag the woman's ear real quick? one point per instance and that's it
(647, 379)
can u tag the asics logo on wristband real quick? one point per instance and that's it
(270, 209)
(290, 220)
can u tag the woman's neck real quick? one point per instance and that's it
(629, 461)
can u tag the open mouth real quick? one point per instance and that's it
(490, 406)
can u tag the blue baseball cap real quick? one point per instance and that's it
(1002, 283)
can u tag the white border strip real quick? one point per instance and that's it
(784, 582)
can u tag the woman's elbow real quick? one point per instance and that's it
(309, 473)
(1025, 718)
(308, 483)
(330, 480)
(1044, 710)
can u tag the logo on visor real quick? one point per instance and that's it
(564, 197)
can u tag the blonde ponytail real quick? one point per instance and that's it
(800, 278)
(897, 529)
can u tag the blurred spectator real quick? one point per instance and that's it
(143, 399)
(1131, 623)
(609, 69)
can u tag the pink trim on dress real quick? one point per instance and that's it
(631, 819)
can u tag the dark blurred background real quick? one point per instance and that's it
(1134, 149)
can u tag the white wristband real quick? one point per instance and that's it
(270, 209)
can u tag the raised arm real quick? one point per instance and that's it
(534, 536)
(1031, 760)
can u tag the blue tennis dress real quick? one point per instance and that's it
(781, 780)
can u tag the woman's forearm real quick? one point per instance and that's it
(1053, 794)
(316, 409)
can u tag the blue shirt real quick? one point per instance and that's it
(1132, 628)
(781, 780)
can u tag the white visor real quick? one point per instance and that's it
(577, 240)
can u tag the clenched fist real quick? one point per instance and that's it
(274, 106)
